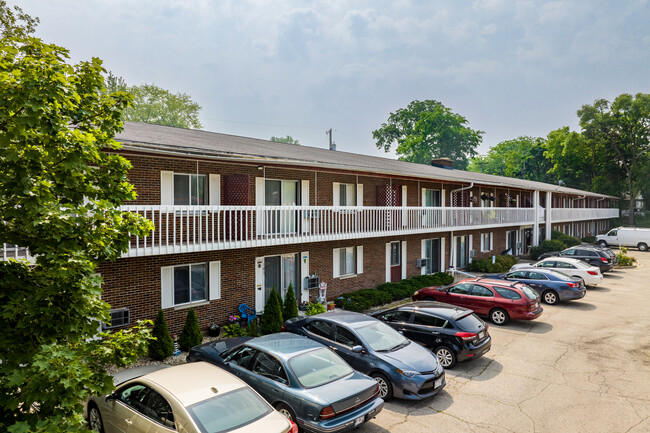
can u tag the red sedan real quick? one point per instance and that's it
(498, 300)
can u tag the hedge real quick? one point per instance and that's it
(569, 241)
(387, 292)
(546, 246)
(501, 264)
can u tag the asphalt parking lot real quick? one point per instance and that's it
(583, 366)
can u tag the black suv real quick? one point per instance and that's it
(453, 333)
(595, 256)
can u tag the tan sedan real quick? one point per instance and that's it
(196, 397)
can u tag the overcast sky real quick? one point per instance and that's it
(275, 68)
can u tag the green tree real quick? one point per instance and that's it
(571, 156)
(624, 127)
(61, 188)
(152, 104)
(522, 157)
(272, 318)
(290, 306)
(288, 139)
(425, 130)
(191, 335)
(161, 345)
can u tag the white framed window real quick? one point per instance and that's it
(119, 317)
(190, 189)
(191, 283)
(347, 261)
(486, 241)
(347, 194)
(431, 198)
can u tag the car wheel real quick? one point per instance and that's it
(602, 244)
(550, 297)
(642, 247)
(499, 316)
(285, 410)
(385, 387)
(95, 419)
(446, 356)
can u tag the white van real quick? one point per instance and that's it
(625, 237)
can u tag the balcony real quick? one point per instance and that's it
(559, 215)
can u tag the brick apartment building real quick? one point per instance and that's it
(235, 216)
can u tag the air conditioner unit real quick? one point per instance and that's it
(312, 282)
(421, 263)
(472, 253)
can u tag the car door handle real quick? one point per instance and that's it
(128, 421)
(333, 348)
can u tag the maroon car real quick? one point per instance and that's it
(498, 300)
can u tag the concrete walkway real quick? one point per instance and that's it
(583, 366)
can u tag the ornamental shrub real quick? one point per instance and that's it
(272, 318)
(546, 246)
(315, 308)
(624, 259)
(162, 345)
(290, 306)
(191, 335)
(233, 330)
(501, 264)
(567, 240)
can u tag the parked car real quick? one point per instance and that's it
(626, 237)
(189, 398)
(499, 300)
(401, 368)
(593, 255)
(308, 383)
(453, 333)
(591, 275)
(552, 286)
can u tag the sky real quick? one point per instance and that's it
(262, 68)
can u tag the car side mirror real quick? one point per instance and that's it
(357, 349)
(111, 397)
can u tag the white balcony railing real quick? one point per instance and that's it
(180, 229)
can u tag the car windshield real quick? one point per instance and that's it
(228, 411)
(530, 293)
(469, 323)
(318, 367)
(381, 337)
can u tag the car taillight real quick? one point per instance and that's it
(283, 328)
(573, 284)
(294, 427)
(327, 412)
(466, 336)
(592, 272)
(376, 391)
(604, 259)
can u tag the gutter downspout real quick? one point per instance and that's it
(452, 247)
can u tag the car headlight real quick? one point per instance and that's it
(416, 293)
(407, 373)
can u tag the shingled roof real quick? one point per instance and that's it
(180, 141)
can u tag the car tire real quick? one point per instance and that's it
(95, 418)
(385, 387)
(642, 246)
(602, 244)
(499, 316)
(286, 410)
(446, 356)
(550, 297)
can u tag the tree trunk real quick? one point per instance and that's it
(632, 198)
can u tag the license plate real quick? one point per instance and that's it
(437, 383)
(481, 335)
(358, 421)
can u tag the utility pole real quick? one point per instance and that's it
(329, 132)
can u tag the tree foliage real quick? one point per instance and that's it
(272, 317)
(153, 104)
(161, 345)
(191, 334)
(290, 306)
(426, 130)
(622, 126)
(288, 139)
(60, 192)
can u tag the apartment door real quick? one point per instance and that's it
(279, 272)
(395, 261)
(281, 193)
(432, 254)
(511, 242)
(462, 251)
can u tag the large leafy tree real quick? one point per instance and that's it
(623, 126)
(153, 104)
(60, 192)
(425, 130)
(522, 157)
(288, 139)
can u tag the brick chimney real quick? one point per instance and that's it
(443, 163)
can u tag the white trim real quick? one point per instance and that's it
(336, 194)
(470, 248)
(388, 262)
(405, 215)
(304, 273)
(336, 263)
(167, 287)
(214, 189)
(215, 280)
(360, 259)
(423, 249)
(359, 195)
(166, 188)
(442, 254)
(403, 259)
(304, 201)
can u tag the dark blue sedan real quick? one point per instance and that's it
(552, 286)
(304, 380)
(402, 369)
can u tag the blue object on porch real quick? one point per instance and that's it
(247, 313)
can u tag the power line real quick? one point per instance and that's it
(262, 124)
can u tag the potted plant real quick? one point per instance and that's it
(484, 196)
(214, 330)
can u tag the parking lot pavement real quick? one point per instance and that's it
(583, 366)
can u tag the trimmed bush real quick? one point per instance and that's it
(589, 239)
(191, 335)
(315, 308)
(272, 318)
(233, 330)
(546, 246)
(161, 346)
(290, 306)
(501, 264)
(569, 241)
(252, 330)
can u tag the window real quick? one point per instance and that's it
(481, 291)
(269, 367)
(517, 275)
(228, 411)
(347, 258)
(148, 402)
(507, 293)
(347, 194)
(431, 198)
(397, 316)
(346, 337)
(319, 327)
(318, 367)
(486, 241)
(537, 276)
(190, 189)
(119, 317)
(395, 254)
(241, 355)
(429, 320)
(190, 283)
(460, 289)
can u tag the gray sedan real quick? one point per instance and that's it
(301, 378)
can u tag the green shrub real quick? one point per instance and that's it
(589, 239)
(315, 308)
(191, 334)
(252, 330)
(272, 318)
(290, 306)
(567, 240)
(624, 259)
(161, 346)
(233, 330)
(501, 264)
(546, 246)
